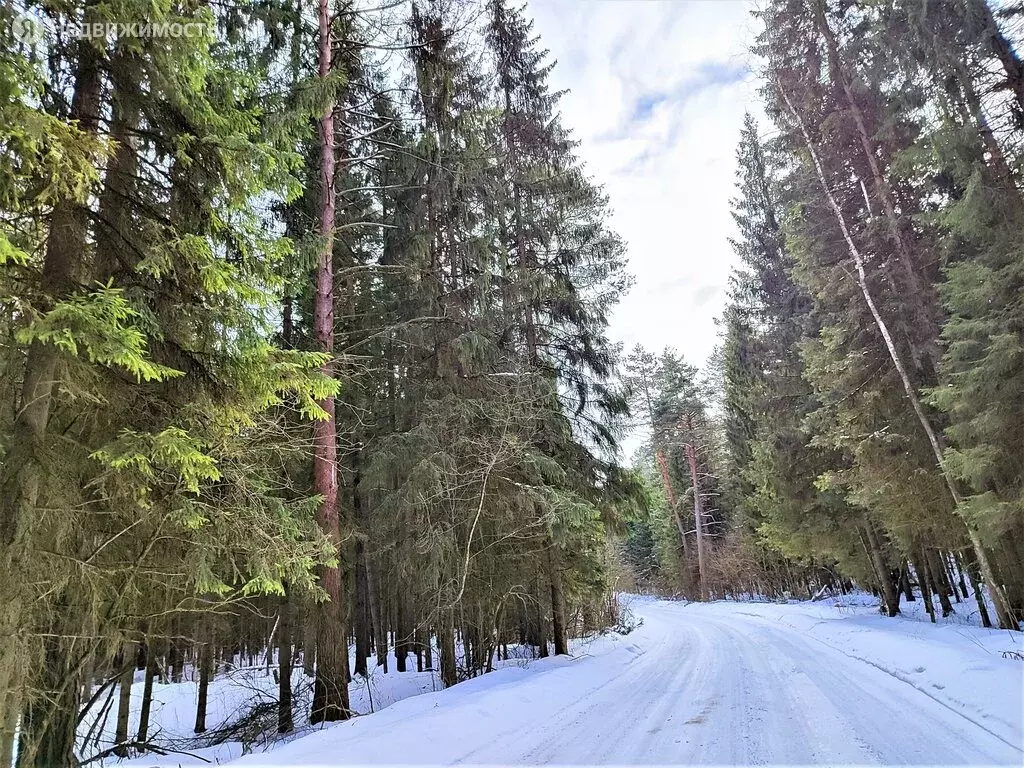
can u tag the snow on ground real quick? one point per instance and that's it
(954, 663)
(236, 692)
(830, 682)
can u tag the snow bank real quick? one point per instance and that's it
(472, 713)
(390, 698)
(233, 694)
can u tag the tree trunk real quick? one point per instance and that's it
(124, 699)
(380, 635)
(330, 689)
(141, 655)
(362, 606)
(284, 663)
(1003, 49)
(178, 667)
(401, 631)
(908, 592)
(446, 647)
(541, 623)
(883, 578)
(947, 570)
(946, 561)
(558, 630)
(698, 509)
(330, 686)
(113, 251)
(1011, 569)
(979, 595)
(63, 259)
(921, 568)
(971, 111)
(471, 648)
(361, 619)
(958, 560)
(271, 645)
(666, 480)
(309, 640)
(48, 723)
(205, 670)
(937, 577)
(147, 693)
(9, 724)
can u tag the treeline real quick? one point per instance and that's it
(304, 346)
(865, 409)
(694, 539)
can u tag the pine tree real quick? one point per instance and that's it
(164, 381)
(853, 133)
(974, 171)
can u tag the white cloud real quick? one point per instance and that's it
(657, 96)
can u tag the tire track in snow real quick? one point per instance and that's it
(895, 676)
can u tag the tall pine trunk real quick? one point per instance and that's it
(9, 714)
(670, 495)
(330, 688)
(361, 620)
(698, 508)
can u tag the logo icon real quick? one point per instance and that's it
(27, 30)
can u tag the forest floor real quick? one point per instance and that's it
(830, 682)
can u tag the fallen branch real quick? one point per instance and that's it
(141, 746)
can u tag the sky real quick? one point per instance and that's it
(657, 92)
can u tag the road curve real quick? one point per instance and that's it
(728, 691)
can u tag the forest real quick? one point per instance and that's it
(305, 356)
(860, 420)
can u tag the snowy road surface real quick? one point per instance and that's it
(727, 683)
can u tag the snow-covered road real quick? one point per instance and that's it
(719, 684)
